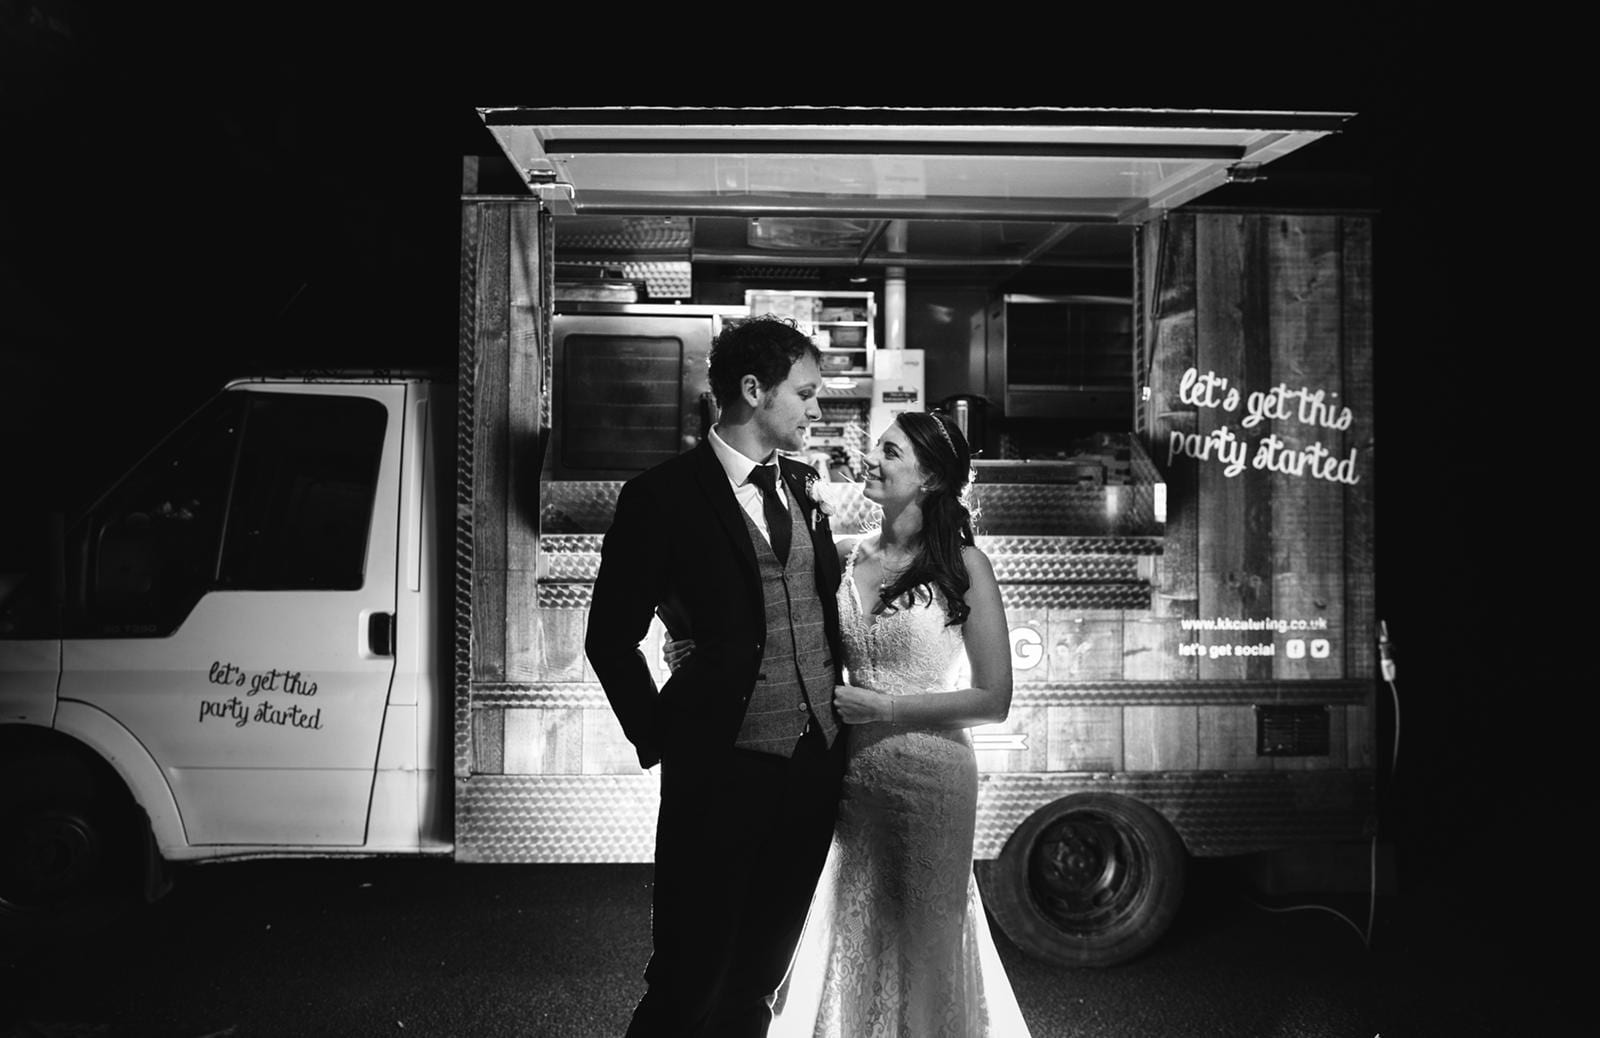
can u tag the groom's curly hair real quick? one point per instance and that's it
(765, 346)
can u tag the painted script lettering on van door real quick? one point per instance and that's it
(246, 709)
(1307, 405)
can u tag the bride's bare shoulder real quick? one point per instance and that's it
(979, 566)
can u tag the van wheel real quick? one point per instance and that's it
(68, 848)
(1093, 879)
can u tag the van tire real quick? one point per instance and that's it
(1093, 879)
(71, 850)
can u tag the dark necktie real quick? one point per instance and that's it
(778, 526)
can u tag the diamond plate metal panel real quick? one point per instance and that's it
(1214, 813)
(577, 506)
(1023, 545)
(553, 695)
(571, 544)
(1044, 509)
(1075, 596)
(576, 557)
(1033, 510)
(567, 567)
(627, 234)
(1144, 470)
(1027, 510)
(550, 818)
(1035, 569)
(466, 397)
(547, 283)
(1190, 693)
(611, 818)
(589, 694)
(571, 586)
(1024, 509)
(663, 279)
(564, 596)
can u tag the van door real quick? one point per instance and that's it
(30, 637)
(236, 595)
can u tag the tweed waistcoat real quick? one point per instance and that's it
(795, 682)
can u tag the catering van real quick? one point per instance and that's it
(345, 615)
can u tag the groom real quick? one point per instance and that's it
(727, 543)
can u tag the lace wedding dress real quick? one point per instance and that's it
(896, 944)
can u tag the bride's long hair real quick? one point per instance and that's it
(942, 452)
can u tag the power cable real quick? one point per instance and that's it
(1388, 669)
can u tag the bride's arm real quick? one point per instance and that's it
(988, 651)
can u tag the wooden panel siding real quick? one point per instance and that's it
(1281, 311)
(1035, 754)
(606, 751)
(1307, 530)
(1233, 557)
(1227, 739)
(1150, 650)
(1160, 738)
(1361, 618)
(490, 451)
(523, 428)
(466, 347)
(1084, 738)
(1256, 485)
(488, 740)
(1361, 750)
(1086, 645)
(544, 742)
(504, 276)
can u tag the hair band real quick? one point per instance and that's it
(948, 442)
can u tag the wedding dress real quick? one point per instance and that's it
(896, 944)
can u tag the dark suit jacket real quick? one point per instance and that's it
(678, 544)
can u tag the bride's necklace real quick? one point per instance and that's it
(888, 573)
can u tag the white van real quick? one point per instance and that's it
(242, 652)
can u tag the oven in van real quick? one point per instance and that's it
(630, 389)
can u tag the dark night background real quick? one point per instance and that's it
(187, 194)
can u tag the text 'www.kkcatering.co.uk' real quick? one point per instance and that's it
(1230, 623)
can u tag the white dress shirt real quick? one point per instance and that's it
(738, 467)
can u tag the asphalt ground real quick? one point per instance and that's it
(434, 948)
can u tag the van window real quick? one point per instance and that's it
(260, 491)
(303, 497)
(152, 542)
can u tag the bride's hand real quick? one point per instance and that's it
(675, 652)
(861, 705)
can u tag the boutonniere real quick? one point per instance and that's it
(819, 504)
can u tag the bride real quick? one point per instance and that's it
(896, 943)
